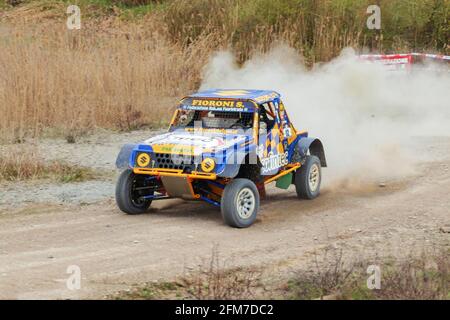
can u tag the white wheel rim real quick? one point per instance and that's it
(314, 177)
(245, 203)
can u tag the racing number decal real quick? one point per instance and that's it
(288, 131)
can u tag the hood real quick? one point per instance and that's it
(181, 142)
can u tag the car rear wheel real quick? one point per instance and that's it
(308, 178)
(131, 190)
(240, 203)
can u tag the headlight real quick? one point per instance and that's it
(208, 165)
(143, 160)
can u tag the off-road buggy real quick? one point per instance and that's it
(222, 147)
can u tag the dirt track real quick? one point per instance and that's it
(39, 241)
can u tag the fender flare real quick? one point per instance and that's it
(123, 158)
(315, 148)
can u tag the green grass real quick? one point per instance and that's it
(3, 4)
(310, 26)
(133, 12)
(126, 9)
(153, 291)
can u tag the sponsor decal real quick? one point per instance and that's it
(143, 160)
(266, 97)
(201, 104)
(186, 143)
(218, 103)
(170, 140)
(287, 132)
(274, 161)
(213, 130)
(225, 109)
(208, 165)
(176, 149)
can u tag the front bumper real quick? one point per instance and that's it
(175, 173)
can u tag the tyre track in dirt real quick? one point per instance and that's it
(115, 251)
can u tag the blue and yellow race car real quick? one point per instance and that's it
(222, 147)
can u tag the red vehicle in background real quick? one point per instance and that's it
(408, 60)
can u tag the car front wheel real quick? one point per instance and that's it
(131, 190)
(240, 203)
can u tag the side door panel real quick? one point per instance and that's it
(272, 148)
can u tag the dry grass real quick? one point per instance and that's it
(75, 81)
(212, 280)
(318, 29)
(331, 276)
(425, 277)
(27, 164)
(422, 277)
(215, 281)
(312, 27)
(127, 74)
(328, 275)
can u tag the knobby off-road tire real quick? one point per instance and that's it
(240, 203)
(127, 197)
(308, 178)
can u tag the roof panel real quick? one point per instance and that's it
(259, 96)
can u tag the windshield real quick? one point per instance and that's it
(213, 119)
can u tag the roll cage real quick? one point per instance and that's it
(265, 114)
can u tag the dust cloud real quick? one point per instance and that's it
(365, 114)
